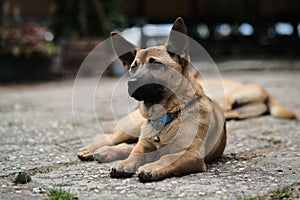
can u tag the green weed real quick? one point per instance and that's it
(281, 193)
(44, 171)
(271, 140)
(61, 194)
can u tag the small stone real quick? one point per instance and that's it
(181, 194)
(123, 191)
(119, 188)
(39, 190)
(201, 193)
(41, 150)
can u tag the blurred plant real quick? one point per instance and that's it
(116, 19)
(27, 40)
(91, 18)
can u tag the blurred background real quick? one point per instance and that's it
(49, 39)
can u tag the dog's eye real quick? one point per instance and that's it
(155, 64)
(153, 61)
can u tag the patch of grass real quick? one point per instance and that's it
(75, 123)
(281, 193)
(10, 123)
(21, 177)
(98, 119)
(61, 194)
(44, 171)
(234, 155)
(271, 140)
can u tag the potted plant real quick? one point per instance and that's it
(26, 52)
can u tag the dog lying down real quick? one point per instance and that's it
(177, 127)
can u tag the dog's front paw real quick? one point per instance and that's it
(103, 156)
(85, 154)
(123, 169)
(145, 176)
(112, 153)
(120, 172)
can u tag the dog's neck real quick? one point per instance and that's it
(188, 90)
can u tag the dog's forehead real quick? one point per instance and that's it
(157, 51)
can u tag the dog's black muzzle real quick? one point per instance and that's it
(142, 90)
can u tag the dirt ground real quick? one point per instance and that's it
(41, 128)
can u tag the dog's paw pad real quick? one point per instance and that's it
(119, 173)
(144, 176)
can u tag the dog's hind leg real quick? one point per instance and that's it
(246, 111)
(127, 130)
(112, 153)
(245, 94)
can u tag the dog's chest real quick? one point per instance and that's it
(174, 137)
(160, 138)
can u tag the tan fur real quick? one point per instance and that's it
(252, 98)
(196, 135)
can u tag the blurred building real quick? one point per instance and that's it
(225, 28)
(231, 27)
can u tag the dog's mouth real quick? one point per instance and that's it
(152, 92)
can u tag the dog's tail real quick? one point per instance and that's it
(277, 110)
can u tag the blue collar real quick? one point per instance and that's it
(161, 122)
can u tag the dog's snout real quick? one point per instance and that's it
(134, 83)
(140, 89)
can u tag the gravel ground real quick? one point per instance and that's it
(40, 135)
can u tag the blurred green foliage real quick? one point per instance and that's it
(89, 18)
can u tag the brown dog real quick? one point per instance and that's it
(195, 132)
(178, 127)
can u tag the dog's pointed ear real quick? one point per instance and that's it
(123, 49)
(178, 40)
